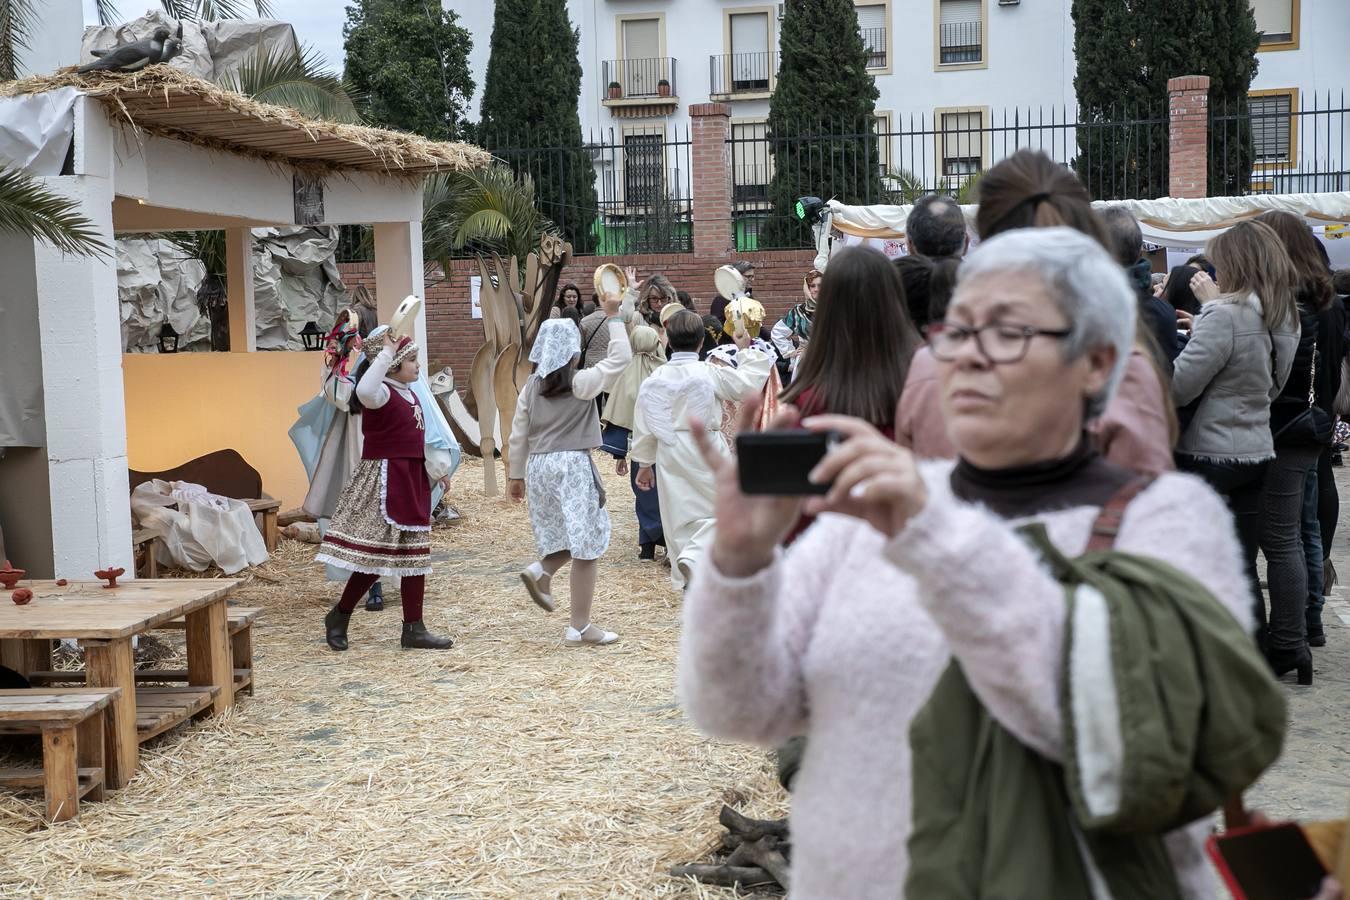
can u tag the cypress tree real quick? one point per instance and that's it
(820, 117)
(529, 111)
(1126, 52)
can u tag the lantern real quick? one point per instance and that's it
(168, 339)
(312, 336)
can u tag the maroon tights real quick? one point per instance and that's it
(411, 589)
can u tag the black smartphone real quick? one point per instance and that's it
(1268, 863)
(778, 462)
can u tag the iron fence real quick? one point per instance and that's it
(959, 42)
(627, 79)
(730, 74)
(1122, 155)
(1278, 143)
(621, 191)
(874, 39)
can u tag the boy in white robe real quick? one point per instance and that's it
(684, 387)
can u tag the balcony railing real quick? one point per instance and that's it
(637, 79)
(741, 73)
(961, 43)
(874, 39)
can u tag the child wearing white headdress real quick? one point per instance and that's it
(556, 426)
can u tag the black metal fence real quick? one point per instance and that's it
(730, 74)
(903, 158)
(960, 43)
(1278, 142)
(641, 176)
(629, 79)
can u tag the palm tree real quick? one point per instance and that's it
(489, 210)
(297, 79)
(27, 208)
(192, 10)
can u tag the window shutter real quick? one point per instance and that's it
(641, 38)
(958, 12)
(961, 135)
(750, 33)
(873, 16)
(1272, 118)
(1274, 17)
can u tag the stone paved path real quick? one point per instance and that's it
(1312, 779)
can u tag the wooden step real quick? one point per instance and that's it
(238, 617)
(160, 708)
(32, 779)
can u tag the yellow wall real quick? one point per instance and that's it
(183, 405)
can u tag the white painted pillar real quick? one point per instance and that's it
(239, 290)
(399, 272)
(79, 325)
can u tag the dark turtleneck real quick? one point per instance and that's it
(1083, 478)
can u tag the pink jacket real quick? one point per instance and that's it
(1132, 433)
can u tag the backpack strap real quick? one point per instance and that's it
(1107, 525)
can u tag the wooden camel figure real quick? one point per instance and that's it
(512, 316)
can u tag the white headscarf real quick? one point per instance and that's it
(557, 342)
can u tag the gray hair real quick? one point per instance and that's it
(1088, 286)
(1122, 229)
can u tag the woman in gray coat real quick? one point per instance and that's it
(1239, 356)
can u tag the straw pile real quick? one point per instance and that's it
(509, 766)
(170, 103)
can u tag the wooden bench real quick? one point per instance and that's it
(75, 724)
(240, 624)
(226, 474)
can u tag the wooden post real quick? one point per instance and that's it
(208, 652)
(111, 664)
(241, 652)
(239, 289)
(90, 740)
(60, 774)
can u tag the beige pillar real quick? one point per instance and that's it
(399, 273)
(239, 289)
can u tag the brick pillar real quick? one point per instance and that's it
(712, 179)
(1188, 113)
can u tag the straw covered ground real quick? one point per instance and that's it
(509, 766)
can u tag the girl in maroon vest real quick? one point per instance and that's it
(556, 426)
(382, 524)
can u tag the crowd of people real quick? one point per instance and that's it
(1021, 633)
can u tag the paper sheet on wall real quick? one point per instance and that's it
(475, 286)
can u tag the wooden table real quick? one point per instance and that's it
(104, 622)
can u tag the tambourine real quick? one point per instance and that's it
(401, 324)
(609, 279)
(729, 281)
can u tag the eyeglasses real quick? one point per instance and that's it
(998, 342)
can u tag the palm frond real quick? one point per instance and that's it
(17, 18)
(28, 208)
(286, 78)
(107, 12)
(180, 9)
(486, 225)
(208, 247)
(489, 210)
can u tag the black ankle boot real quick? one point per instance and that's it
(1292, 659)
(336, 623)
(1317, 636)
(375, 599)
(416, 637)
(648, 551)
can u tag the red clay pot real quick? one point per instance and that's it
(110, 576)
(22, 596)
(10, 576)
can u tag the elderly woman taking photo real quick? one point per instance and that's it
(913, 567)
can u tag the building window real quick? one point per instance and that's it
(1273, 132)
(641, 67)
(962, 145)
(960, 32)
(881, 127)
(872, 24)
(751, 57)
(643, 169)
(1277, 20)
(751, 163)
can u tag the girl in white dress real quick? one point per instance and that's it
(556, 426)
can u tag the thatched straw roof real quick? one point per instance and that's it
(173, 104)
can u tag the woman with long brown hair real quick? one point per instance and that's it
(1237, 361)
(1301, 421)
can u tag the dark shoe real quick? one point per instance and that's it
(1337, 460)
(336, 623)
(1295, 659)
(648, 552)
(1317, 636)
(416, 637)
(375, 599)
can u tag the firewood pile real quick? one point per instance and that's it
(753, 855)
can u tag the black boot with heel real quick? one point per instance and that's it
(1292, 659)
(416, 637)
(335, 624)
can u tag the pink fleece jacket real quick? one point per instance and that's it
(843, 637)
(1132, 433)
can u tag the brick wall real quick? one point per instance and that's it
(454, 336)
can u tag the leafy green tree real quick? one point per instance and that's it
(820, 117)
(410, 59)
(1127, 50)
(529, 112)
